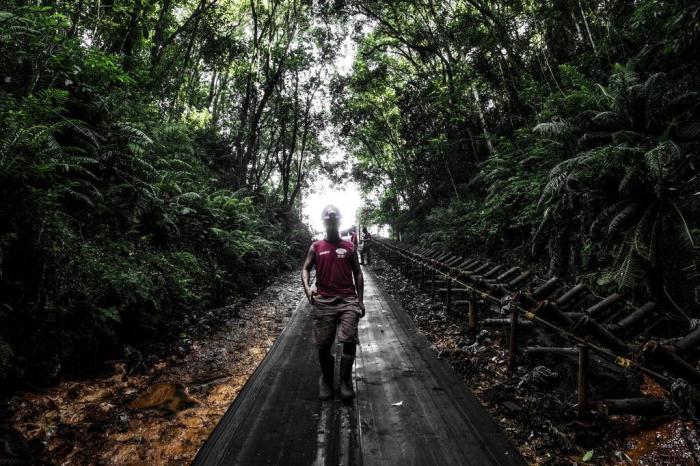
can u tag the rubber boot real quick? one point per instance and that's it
(325, 382)
(346, 391)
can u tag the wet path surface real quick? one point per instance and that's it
(156, 413)
(411, 408)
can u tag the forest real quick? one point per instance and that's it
(155, 155)
(152, 159)
(564, 133)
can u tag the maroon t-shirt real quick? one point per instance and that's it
(333, 269)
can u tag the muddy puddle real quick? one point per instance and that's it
(159, 413)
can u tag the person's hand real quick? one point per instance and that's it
(309, 295)
(362, 308)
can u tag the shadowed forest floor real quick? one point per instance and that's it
(538, 413)
(155, 411)
(160, 410)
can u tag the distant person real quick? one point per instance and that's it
(365, 247)
(353, 236)
(337, 302)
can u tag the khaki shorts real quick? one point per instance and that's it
(335, 316)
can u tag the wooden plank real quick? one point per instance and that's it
(277, 418)
(439, 420)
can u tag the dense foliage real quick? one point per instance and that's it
(564, 133)
(152, 156)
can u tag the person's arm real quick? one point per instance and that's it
(306, 273)
(359, 281)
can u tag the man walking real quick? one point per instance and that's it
(337, 301)
(365, 247)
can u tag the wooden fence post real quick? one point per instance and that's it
(513, 340)
(448, 299)
(472, 317)
(582, 379)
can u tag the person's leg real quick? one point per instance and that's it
(324, 330)
(346, 361)
(347, 334)
(327, 364)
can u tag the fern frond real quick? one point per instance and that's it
(685, 235)
(135, 135)
(537, 241)
(551, 129)
(607, 119)
(111, 155)
(658, 158)
(689, 131)
(622, 218)
(626, 137)
(83, 198)
(654, 86)
(632, 176)
(642, 233)
(631, 271)
(553, 186)
(89, 134)
(594, 138)
(604, 217)
(145, 168)
(684, 102)
(188, 197)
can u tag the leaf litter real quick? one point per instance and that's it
(536, 404)
(156, 408)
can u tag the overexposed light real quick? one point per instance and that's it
(346, 198)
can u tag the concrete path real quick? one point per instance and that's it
(411, 408)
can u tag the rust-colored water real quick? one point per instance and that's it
(671, 442)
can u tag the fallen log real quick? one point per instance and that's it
(494, 322)
(593, 328)
(688, 342)
(571, 294)
(549, 310)
(598, 308)
(667, 357)
(535, 351)
(470, 265)
(507, 274)
(634, 318)
(635, 406)
(482, 268)
(492, 272)
(519, 281)
(546, 288)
